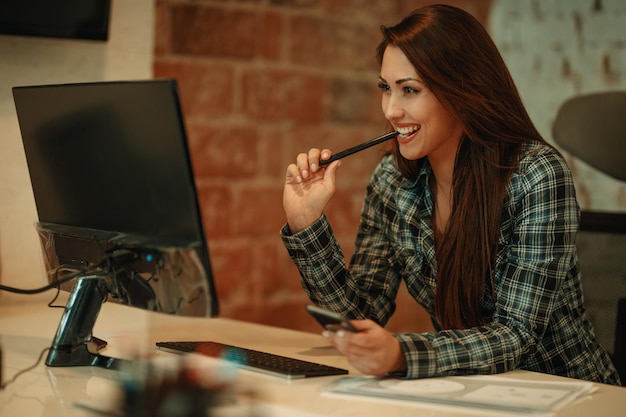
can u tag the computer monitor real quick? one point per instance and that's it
(117, 204)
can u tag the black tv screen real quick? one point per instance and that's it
(72, 19)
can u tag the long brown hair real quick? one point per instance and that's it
(457, 60)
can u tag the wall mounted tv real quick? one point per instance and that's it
(71, 19)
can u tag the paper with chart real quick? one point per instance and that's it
(483, 392)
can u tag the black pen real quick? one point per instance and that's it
(360, 147)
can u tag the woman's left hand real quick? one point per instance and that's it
(372, 350)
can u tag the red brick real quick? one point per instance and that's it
(223, 151)
(251, 289)
(216, 207)
(259, 210)
(303, 137)
(272, 162)
(409, 315)
(297, 4)
(270, 259)
(332, 44)
(356, 101)
(272, 36)
(205, 90)
(214, 31)
(376, 12)
(272, 95)
(162, 28)
(290, 314)
(231, 268)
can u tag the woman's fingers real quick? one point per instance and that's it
(314, 159)
(293, 175)
(306, 165)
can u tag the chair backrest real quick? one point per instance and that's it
(592, 128)
(601, 244)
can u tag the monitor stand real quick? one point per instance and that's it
(74, 344)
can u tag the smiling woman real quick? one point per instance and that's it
(426, 126)
(473, 211)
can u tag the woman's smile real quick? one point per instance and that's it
(407, 133)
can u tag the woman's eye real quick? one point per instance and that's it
(410, 90)
(383, 87)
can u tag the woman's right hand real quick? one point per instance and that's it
(308, 188)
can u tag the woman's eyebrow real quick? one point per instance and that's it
(401, 80)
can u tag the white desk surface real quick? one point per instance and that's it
(27, 328)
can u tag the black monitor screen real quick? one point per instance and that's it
(110, 169)
(79, 19)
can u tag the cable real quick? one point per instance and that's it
(56, 284)
(109, 262)
(23, 371)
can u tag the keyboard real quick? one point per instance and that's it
(254, 360)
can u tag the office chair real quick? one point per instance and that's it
(593, 128)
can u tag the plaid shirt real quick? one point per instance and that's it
(538, 321)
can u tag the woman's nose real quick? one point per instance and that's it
(391, 108)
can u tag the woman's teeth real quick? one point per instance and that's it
(407, 131)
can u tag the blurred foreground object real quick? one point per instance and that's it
(187, 386)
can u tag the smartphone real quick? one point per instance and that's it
(330, 320)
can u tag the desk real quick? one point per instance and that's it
(26, 329)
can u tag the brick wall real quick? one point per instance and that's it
(261, 81)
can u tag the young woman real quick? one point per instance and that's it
(474, 211)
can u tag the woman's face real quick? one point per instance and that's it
(426, 127)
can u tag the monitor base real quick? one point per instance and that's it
(74, 344)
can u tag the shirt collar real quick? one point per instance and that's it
(421, 180)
